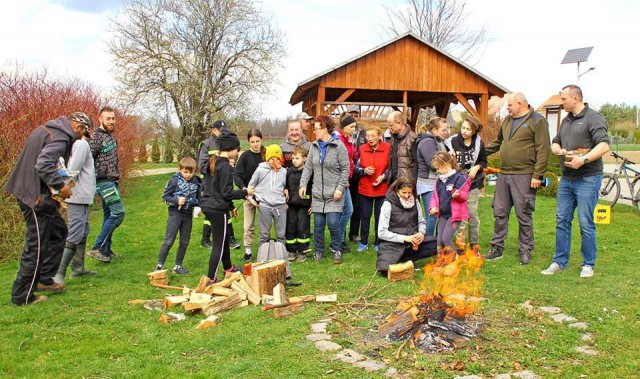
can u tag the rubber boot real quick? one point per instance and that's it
(67, 256)
(77, 264)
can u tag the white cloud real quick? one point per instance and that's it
(528, 42)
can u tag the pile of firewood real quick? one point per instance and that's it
(265, 285)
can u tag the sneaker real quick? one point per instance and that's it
(292, 256)
(97, 254)
(493, 254)
(233, 268)
(354, 238)
(301, 257)
(247, 258)
(206, 244)
(53, 287)
(337, 257)
(525, 258)
(179, 270)
(233, 244)
(587, 271)
(362, 247)
(552, 269)
(318, 256)
(113, 255)
(344, 249)
(159, 267)
(376, 247)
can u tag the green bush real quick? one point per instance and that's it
(142, 153)
(168, 152)
(552, 189)
(553, 172)
(636, 136)
(494, 160)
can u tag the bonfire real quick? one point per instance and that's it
(442, 316)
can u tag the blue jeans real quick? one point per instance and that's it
(345, 216)
(431, 220)
(583, 194)
(112, 215)
(332, 221)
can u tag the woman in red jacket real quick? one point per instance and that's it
(373, 162)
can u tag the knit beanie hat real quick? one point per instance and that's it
(347, 120)
(228, 141)
(273, 151)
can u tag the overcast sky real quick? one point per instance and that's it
(527, 42)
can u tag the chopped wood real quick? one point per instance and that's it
(168, 318)
(397, 324)
(400, 271)
(202, 298)
(228, 280)
(264, 276)
(267, 299)
(288, 311)
(191, 307)
(158, 274)
(241, 285)
(245, 303)
(186, 290)
(274, 306)
(208, 322)
(302, 299)
(218, 305)
(202, 284)
(172, 301)
(166, 287)
(221, 291)
(279, 294)
(332, 298)
(406, 304)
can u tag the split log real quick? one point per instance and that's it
(202, 284)
(279, 294)
(222, 291)
(264, 276)
(397, 324)
(228, 280)
(218, 305)
(191, 307)
(197, 297)
(166, 287)
(242, 286)
(302, 299)
(400, 271)
(158, 277)
(288, 311)
(168, 318)
(267, 299)
(332, 298)
(172, 301)
(208, 322)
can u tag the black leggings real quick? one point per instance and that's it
(220, 242)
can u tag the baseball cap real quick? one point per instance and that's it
(304, 116)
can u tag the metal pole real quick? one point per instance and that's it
(578, 74)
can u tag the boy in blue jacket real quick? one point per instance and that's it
(182, 194)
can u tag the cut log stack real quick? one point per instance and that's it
(400, 271)
(264, 286)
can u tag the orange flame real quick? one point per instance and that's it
(454, 279)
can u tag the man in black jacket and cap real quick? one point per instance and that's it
(37, 176)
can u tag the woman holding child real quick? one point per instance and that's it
(328, 166)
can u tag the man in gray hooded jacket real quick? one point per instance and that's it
(36, 177)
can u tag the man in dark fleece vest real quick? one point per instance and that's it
(104, 149)
(38, 175)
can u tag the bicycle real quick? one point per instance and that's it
(611, 188)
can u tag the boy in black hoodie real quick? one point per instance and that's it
(297, 235)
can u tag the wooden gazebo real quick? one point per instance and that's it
(407, 74)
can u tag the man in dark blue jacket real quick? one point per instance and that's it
(37, 177)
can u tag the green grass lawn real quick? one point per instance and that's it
(625, 147)
(91, 330)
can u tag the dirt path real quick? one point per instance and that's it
(153, 171)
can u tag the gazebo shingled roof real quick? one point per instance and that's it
(406, 73)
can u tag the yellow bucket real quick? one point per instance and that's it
(602, 214)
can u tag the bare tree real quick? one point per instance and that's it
(444, 23)
(205, 58)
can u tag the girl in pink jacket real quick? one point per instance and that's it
(449, 200)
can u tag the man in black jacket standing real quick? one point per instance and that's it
(36, 177)
(104, 149)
